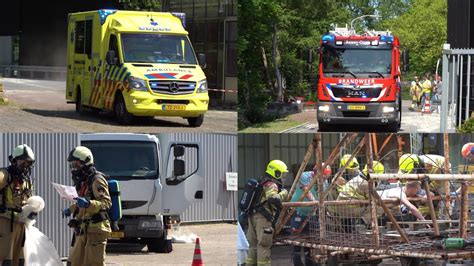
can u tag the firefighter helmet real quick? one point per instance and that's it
(408, 163)
(82, 154)
(22, 152)
(353, 164)
(276, 169)
(377, 168)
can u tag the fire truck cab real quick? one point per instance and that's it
(359, 79)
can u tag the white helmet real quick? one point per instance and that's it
(82, 154)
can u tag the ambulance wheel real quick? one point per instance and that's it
(196, 121)
(322, 127)
(79, 106)
(121, 113)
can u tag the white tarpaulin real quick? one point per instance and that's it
(242, 245)
(38, 250)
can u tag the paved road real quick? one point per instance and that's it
(411, 122)
(40, 106)
(218, 247)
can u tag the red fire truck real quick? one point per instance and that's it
(359, 79)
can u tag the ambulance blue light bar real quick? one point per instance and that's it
(181, 16)
(386, 38)
(329, 38)
(104, 13)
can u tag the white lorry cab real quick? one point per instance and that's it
(134, 63)
(158, 178)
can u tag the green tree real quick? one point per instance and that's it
(423, 31)
(147, 5)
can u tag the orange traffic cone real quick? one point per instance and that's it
(427, 107)
(197, 260)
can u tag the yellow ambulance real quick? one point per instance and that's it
(134, 63)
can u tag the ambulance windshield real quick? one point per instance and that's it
(157, 48)
(359, 62)
(125, 160)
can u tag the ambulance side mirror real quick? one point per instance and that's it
(110, 58)
(202, 60)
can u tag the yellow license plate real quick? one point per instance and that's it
(172, 107)
(117, 234)
(356, 107)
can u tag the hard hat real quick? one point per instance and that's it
(276, 169)
(408, 162)
(467, 150)
(82, 154)
(327, 171)
(377, 167)
(22, 152)
(354, 164)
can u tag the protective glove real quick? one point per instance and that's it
(275, 202)
(66, 213)
(283, 193)
(82, 202)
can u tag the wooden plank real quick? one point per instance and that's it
(426, 186)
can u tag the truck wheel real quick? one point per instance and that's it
(159, 245)
(196, 121)
(121, 113)
(79, 106)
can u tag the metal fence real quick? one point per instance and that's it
(458, 79)
(33, 72)
(52, 149)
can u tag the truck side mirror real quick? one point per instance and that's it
(202, 60)
(178, 151)
(178, 167)
(110, 58)
(406, 60)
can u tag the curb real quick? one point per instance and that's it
(292, 128)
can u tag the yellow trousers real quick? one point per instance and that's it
(89, 250)
(11, 243)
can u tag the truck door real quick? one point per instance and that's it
(83, 57)
(184, 182)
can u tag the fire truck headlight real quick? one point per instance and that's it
(202, 86)
(323, 108)
(137, 84)
(388, 109)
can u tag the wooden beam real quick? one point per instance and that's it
(426, 186)
(372, 203)
(464, 211)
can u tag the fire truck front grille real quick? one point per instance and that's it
(172, 87)
(348, 92)
(355, 114)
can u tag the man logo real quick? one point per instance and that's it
(174, 87)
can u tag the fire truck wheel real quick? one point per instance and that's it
(79, 107)
(123, 116)
(196, 121)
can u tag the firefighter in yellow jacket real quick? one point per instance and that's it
(91, 221)
(15, 189)
(260, 230)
